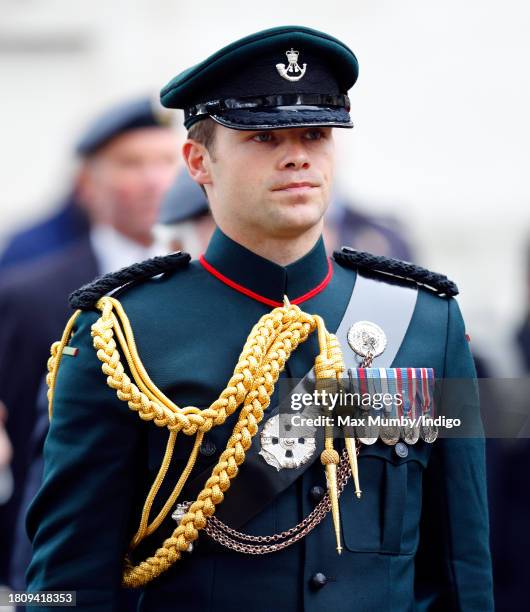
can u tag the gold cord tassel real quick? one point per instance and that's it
(335, 354)
(330, 459)
(328, 368)
(352, 457)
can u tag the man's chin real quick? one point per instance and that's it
(292, 226)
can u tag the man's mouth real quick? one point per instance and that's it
(296, 187)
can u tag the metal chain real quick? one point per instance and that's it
(226, 536)
(367, 361)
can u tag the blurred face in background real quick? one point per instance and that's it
(123, 183)
(191, 236)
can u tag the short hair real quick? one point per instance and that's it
(203, 132)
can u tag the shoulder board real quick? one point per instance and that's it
(86, 296)
(376, 264)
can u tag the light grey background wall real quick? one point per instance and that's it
(440, 110)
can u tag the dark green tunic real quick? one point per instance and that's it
(416, 540)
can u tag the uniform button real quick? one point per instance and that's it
(207, 448)
(318, 580)
(316, 493)
(402, 450)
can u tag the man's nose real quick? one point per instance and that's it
(295, 157)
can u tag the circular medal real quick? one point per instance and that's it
(366, 338)
(389, 434)
(410, 433)
(429, 433)
(367, 434)
(282, 452)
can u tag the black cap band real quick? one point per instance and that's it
(215, 107)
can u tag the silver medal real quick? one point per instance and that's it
(389, 434)
(366, 339)
(410, 434)
(367, 434)
(283, 452)
(429, 433)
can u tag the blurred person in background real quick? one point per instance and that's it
(70, 222)
(346, 224)
(509, 487)
(128, 160)
(522, 336)
(6, 477)
(185, 222)
(65, 226)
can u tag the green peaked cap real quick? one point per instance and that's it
(283, 76)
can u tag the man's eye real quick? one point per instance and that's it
(313, 135)
(262, 137)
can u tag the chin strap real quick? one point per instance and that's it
(268, 347)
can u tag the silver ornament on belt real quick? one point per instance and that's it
(178, 515)
(282, 452)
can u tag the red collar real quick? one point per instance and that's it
(260, 298)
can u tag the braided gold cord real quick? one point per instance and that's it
(54, 360)
(268, 346)
(263, 357)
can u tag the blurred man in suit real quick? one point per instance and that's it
(129, 159)
(67, 224)
(184, 221)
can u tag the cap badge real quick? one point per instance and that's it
(291, 72)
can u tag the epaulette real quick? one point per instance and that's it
(376, 264)
(86, 296)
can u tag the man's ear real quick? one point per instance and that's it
(198, 161)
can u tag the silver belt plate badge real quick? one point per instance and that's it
(281, 452)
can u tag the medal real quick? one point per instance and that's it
(282, 452)
(367, 434)
(363, 389)
(389, 434)
(385, 390)
(428, 431)
(410, 433)
(367, 340)
(374, 383)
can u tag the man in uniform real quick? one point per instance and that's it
(162, 393)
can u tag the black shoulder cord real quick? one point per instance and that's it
(376, 263)
(86, 296)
